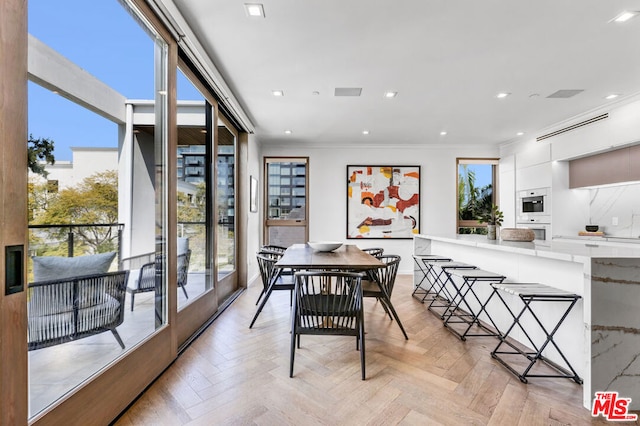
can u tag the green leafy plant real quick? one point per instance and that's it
(492, 217)
(40, 149)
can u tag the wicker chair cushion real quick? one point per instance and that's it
(46, 268)
(94, 316)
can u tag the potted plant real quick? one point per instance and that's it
(493, 218)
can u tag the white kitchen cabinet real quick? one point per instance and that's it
(538, 176)
(507, 190)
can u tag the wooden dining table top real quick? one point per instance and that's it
(347, 256)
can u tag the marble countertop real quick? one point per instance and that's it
(556, 249)
(597, 239)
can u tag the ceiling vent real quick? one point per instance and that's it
(348, 91)
(573, 126)
(564, 94)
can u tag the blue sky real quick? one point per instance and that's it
(101, 37)
(483, 174)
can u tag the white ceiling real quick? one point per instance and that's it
(447, 59)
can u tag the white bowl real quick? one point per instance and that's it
(324, 245)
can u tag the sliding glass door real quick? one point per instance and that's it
(226, 192)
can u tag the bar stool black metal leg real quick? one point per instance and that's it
(462, 311)
(536, 293)
(418, 286)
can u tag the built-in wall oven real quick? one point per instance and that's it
(534, 212)
(533, 202)
(542, 231)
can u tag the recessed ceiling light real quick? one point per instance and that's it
(502, 95)
(287, 132)
(520, 133)
(365, 132)
(254, 10)
(443, 133)
(389, 95)
(624, 16)
(612, 96)
(277, 92)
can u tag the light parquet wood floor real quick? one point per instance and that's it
(233, 375)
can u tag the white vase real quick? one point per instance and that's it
(491, 232)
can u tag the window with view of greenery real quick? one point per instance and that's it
(476, 195)
(92, 205)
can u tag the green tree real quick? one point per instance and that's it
(473, 201)
(191, 207)
(38, 197)
(93, 201)
(191, 212)
(40, 149)
(468, 193)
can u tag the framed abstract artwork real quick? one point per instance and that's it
(383, 201)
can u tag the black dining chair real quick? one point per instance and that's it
(328, 303)
(277, 250)
(272, 279)
(379, 284)
(272, 248)
(374, 251)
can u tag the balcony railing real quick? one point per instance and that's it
(72, 239)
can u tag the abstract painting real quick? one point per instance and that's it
(383, 201)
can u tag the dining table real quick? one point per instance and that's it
(348, 257)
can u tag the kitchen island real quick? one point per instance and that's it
(601, 335)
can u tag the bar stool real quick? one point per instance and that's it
(461, 311)
(425, 269)
(442, 294)
(530, 293)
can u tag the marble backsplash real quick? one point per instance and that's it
(621, 202)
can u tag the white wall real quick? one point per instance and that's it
(328, 180)
(85, 162)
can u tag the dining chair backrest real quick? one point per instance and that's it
(271, 248)
(374, 251)
(327, 300)
(387, 275)
(266, 264)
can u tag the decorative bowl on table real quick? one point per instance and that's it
(324, 245)
(592, 228)
(517, 234)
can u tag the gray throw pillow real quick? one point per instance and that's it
(46, 268)
(183, 245)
